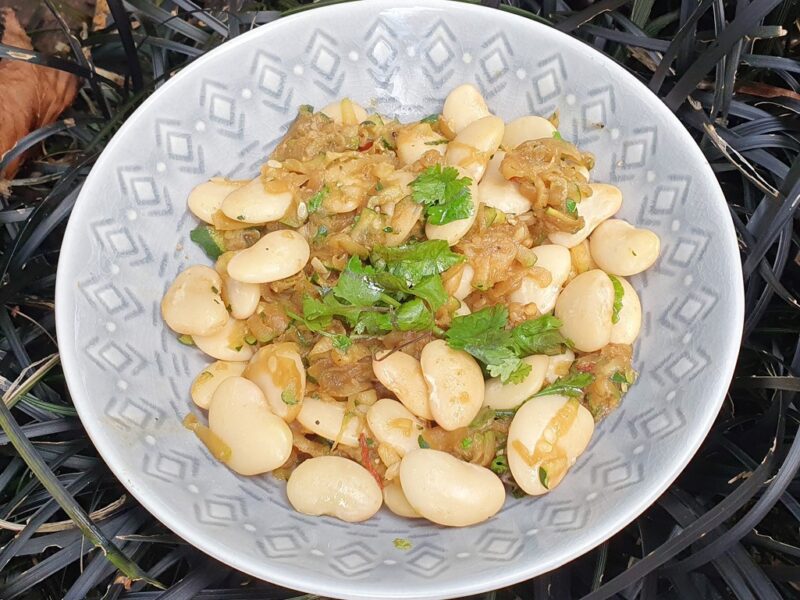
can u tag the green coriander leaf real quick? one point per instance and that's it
(431, 290)
(557, 135)
(479, 328)
(619, 378)
(619, 292)
(543, 478)
(570, 385)
(413, 262)
(509, 370)
(414, 316)
(422, 443)
(209, 239)
(518, 492)
(321, 311)
(388, 230)
(341, 342)
(402, 544)
(373, 323)
(289, 396)
(499, 465)
(357, 285)
(315, 202)
(466, 443)
(538, 336)
(370, 442)
(572, 207)
(186, 340)
(431, 119)
(437, 142)
(446, 196)
(322, 233)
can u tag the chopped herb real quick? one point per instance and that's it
(186, 340)
(543, 478)
(240, 217)
(388, 230)
(619, 292)
(431, 119)
(370, 442)
(500, 464)
(437, 142)
(315, 202)
(619, 378)
(239, 347)
(570, 385)
(209, 239)
(214, 289)
(557, 135)
(422, 443)
(572, 206)
(634, 252)
(518, 492)
(250, 339)
(466, 443)
(402, 544)
(341, 342)
(387, 144)
(446, 196)
(322, 232)
(379, 187)
(538, 336)
(289, 396)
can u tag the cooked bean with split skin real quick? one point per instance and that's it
(422, 315)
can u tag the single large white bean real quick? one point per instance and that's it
(498, 192)
(192, 304)
(474, 145)
(345, 112)
(415, 140)
(626, 329)
(238, 414)
(464, 105)
(278, 371)
(453, 231)
(526, 128)
(505, 396)
(449, 491)
(207, 382)
(557, 261)
(585, 308)
(277, 255)
(455, 384)
(604, 203)
(243, 298)
(206, 199)
(545, 439)
(325, 418)
(558, 366)
(393, 424)
(620, 248)
(401, 374)
(227, 343)
(257, 203)
(334, 486)
(395, 500)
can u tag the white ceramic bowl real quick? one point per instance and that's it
(128, 237)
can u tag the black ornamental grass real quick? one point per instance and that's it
(727, 528)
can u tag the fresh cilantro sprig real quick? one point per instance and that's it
(446, 196)
(619, 292)
(483, 334)
(413, 262)
(571, 385)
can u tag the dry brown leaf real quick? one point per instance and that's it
(35, 95)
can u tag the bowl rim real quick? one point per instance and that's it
(278, 574)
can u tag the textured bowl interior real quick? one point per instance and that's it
(128, 238)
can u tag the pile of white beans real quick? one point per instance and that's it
(244, 391)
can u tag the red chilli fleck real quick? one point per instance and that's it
(362, 441)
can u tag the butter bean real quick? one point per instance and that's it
(208, 380)
(455, 384)
(464, 105)
(620, 248)
(395, 500)
(557, 261)
(334, 486)
(255, 203)
(498, 192)
(626, 330)
(474, 145)
(526, 128)
(192, 304)
(415, 140)
(206, 199)
(585, 307)
(278, 371)
(345, 112)
(401, 374)
(239, 416)
(393, 424)
(277, 255)
(500, 396)
(449, 491)
(227, 343)
(548, 433)
(325, 418)
(453, 231)
(243, 298)
(604, 202)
